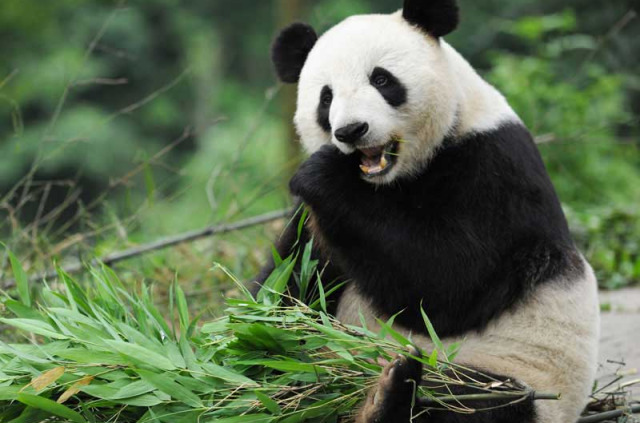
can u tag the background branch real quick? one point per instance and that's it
(191, 236)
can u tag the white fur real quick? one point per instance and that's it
(445, 95)
(550, 342)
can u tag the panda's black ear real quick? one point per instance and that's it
(436, 17)
(290, 50)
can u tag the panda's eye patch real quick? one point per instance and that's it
(388, 86)
(326, 98)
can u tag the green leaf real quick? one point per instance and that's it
(433, 358)
(432, 332)
(37, 327)
(75, 294)
(287, 365)
(227, 375)
(303, 218)
(323, 298)
(183, 310)
(397, 336)
(133, 389)
(93, 356)
(334, 288)
(9, 393)
(21, 310)
(22, 281)
(141, 355)
(249, 418)
(277, 260)
(281, 276)
(147, 400)
(50, 406)
(30, 415)
(307, 269)
(164, 383)
(268, 403)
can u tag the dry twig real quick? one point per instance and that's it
(111, 259)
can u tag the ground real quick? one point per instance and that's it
(620, 332)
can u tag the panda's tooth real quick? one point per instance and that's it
(383, 162)
(364, 169)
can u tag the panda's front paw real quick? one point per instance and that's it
(391, 400)
(322, 174)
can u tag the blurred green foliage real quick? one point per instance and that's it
(122, 121)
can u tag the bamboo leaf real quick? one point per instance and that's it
(10, 393)
(227, 375)
(37, 327)
(22, 281)
(163, 383)
(183, 310)
(74, 389)
(140, 354)
(47, 378)
(147, 400)
(268, 403)
(432, 333)
(51, 407)
(397, 336)
(251, 418)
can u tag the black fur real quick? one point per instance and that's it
(290, 50)
(395, 396)
(393, 91)
(324, 106)
(469, 238)
(436, 17)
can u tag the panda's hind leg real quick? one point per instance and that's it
(391, 400)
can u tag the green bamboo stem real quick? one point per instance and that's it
(425, 402)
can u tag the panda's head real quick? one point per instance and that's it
(379, 86)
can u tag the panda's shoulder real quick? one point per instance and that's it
(505, 155)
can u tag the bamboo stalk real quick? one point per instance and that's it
(427, 402)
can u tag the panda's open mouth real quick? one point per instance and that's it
(376, 161)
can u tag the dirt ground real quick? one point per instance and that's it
(620, 334)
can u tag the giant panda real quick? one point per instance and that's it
(425, 189)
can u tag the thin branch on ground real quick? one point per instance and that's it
(608, 415)
(161, 244)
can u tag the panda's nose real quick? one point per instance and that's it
(351, 133)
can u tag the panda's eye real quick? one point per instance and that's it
(380, 80)
(389, 86)
(326, 99)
